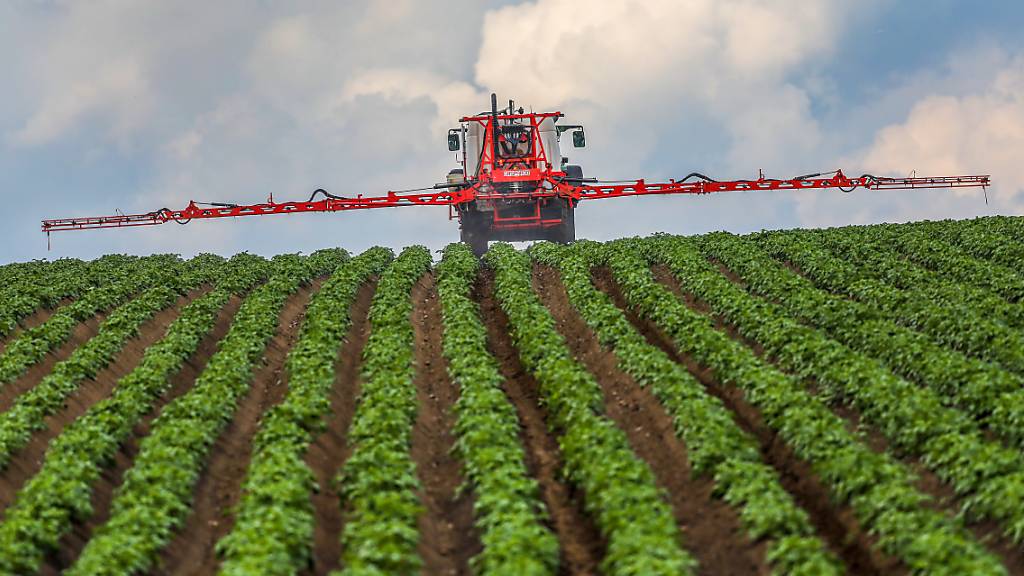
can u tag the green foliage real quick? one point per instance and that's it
(953, 325)
(509, 514)
(912, 418)
(916, 326)
(992, 396)
(619, 488)
(32, 345)
(273, 527)
(378, 481)
(996, 238)
(34, 285)
(917, 245)
(60, 491)
(154, 499)
(867, 249)
(879, 490)
(31, 408)
(715, 443)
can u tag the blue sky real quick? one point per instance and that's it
(138, 105)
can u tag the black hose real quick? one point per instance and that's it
(808, 176)
(697, 175)
(326, 195)
(168, 213)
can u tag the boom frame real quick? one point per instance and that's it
(553, 185)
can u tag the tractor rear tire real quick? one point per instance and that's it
(474, 234)
(566, 231)
(477, 243)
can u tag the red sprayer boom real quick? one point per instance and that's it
(514, 184)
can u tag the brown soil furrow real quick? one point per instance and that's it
(330, 450)
(219, 488)
(31, 321)
(837, 525)
(711, 529)
(27, 461)
(71, 544)
(36, 372)
(945, 498)
(448, 538)
(581, 545)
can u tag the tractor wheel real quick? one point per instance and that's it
(477, 243)
(474, 234)
(566, 231)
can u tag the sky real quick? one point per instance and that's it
(135, 105)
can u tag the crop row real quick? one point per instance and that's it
(991, 395)
(912, 418)
(14, 273)
(508, 512)
(868, 251)
(992, 239)
(29, 411)
(716, 445)
(20, 283)
(378, 481)
(619, 488)
(879, 490)
(1010, 228)
(273, 526)
(954, 326)
(33, 344)
(919, 246)
(45, 284)
(154, 498)
(59, 493)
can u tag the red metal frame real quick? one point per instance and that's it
(525, 167)
(839, 181)
(195, 212)
(539, 183)
(558, 188)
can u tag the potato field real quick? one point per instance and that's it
(808, 402)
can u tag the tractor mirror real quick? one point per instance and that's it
(453, 141)
(579, 139)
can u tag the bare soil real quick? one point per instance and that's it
(220, 485)
(711, 529)
(944, 497)
(31, 321)
(448, 538)
(837, 526)
(582, 546)
(27, 461)
(36, 372)
(112, 476)
(329, 450)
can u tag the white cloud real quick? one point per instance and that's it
(121, 69)
(235, 100)
(976, 133)
(648, 68)
(960, 135)
(453, 99)
(961, 131)
(118, 90)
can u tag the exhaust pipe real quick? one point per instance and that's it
(494, 130)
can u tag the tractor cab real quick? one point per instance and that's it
(511, 160)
